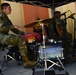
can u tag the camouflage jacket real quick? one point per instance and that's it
(6, 25)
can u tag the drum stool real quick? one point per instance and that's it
(6, 57)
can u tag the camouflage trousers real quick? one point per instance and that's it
(14, 40)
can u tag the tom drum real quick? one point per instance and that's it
(52, 51)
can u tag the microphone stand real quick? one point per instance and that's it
(74, 35)
(65, 18)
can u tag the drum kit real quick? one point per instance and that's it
(45, 52)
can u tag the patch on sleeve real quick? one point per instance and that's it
(0, 15)
(1, 24)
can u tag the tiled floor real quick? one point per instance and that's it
(14, 69)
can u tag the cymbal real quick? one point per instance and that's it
(47, 20)
(35, 24)
(30, 24)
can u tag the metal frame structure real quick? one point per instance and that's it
(45, 3)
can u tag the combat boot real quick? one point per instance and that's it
(27, 62)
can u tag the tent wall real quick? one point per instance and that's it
(31, 13)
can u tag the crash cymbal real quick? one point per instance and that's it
(47, 20)
(30, 24)
(33, 24)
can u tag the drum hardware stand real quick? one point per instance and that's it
(45, 60)
(4, 61)
(35, 47)
(39, 65)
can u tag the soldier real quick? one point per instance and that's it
(57, 31)
(13, 39)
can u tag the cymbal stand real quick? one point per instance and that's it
(43, 43)
(45, 60)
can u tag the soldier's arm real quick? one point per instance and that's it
(13, 29)
(1, 20)
(17, 31)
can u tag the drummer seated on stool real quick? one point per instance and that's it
(13, 39)
(57, 31)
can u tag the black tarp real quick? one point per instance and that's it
(45, 3)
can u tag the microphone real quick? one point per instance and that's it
(65, 12)
(71, 16)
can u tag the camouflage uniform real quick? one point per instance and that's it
(65, 37)
(11, 39)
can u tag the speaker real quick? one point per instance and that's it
(44, 72)
(61, 72)
(49, 72)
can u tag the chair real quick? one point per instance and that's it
(6, 56)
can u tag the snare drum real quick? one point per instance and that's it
(52, 51)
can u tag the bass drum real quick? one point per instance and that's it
(52, 51)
